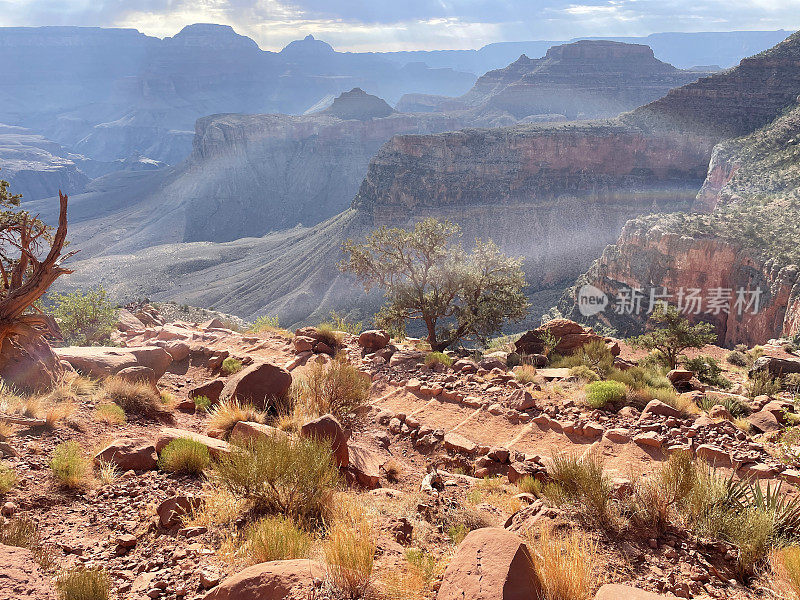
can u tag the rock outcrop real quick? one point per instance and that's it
(587, 79)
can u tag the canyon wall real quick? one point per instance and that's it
(554, 195)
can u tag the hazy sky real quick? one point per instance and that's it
(411, 24)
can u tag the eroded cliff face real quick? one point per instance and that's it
(554, 195)
(651, 255)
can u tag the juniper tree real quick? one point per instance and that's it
(428, 277)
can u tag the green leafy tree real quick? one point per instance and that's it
(428, 277)
(85, 318)
(674, 334)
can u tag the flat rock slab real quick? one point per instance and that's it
(103, 361)
(20, 577)
(215, 447)
(614, 591)
(553, 373)
(276, 580)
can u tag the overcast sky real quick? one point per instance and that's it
(411, 24)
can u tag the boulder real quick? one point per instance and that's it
(364, 465)
(276, 580)
(713, 455)
(102, 361)
(29, 364)
(764, 421)
(215, 323)
(656, 407)
(329, 429)
(215, 447)
(210, 389)
(127, 321)
(130, 454)
(21, 578)
(177, 350)
(258, 384)
(677, 376)
(138, 374)
(373, 340)
(459, 444)
(615, 591)
(172, 509)
(492, 362)
(491, 564)
(570, 337)
(249, 430)
(776, 367)
(303, 343)
(521, 399)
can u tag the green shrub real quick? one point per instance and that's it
(8, 479)
(529, 485)
(69, 465)
(762, 384)
(600, 393)
(707, 370)
(85, 318)
(265, 323)
(185, 456)
(282, 475)
(640, 378)
(583, 372)
(341, 323)
(432, 359)
(736, 407)
(737, 358)
(231, 365)
(594, 356)
(80, 583)
(275, 538)
(201, 403)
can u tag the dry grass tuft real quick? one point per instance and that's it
(225, 415)
(220, 507)
(278, 474)
(80, 583)
(350, 551)
(338, 388)
(231, 365)
(6, 430)
(22, 532)
(107, 472)
(185, 456)
(273, 538)
(393, 469)
(785, 565)
(8, 479)
(565, 563)
(69, 466)
(135, 398)
(58, 412)
(110, 413)
(525, 374)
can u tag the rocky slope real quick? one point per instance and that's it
(583, 80)
(746, 241)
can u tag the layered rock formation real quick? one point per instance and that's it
(584, 80)
(748, 238)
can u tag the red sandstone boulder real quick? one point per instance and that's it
(364, 465)
(373, 340)
(20, 577)
(138, 374)
(171, 510)
(570, 337)
(776, 367)
(329, 429)
(276, 580)
(258, 384)
(215, 447)
(127, 454)
(491, 564)
(210, 389)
